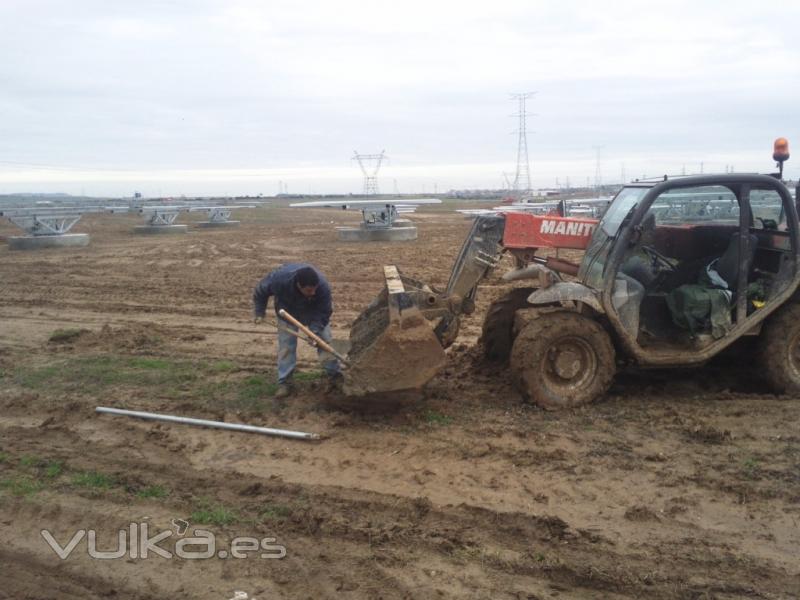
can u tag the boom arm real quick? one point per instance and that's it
(520, 233)
(491, 235)
(479, 253)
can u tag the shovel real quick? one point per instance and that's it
(311, 337)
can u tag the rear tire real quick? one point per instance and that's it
(562, 359)
(497, 335)
(779, 350)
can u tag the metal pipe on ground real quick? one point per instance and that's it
(297, 435)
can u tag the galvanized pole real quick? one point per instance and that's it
(298, 435)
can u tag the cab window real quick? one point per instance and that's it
(767, 207)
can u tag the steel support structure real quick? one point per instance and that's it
(522, 177)
(46, 221)
(160, 217)
(370, 165)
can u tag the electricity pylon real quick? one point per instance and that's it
(370, 165)
(522, 178)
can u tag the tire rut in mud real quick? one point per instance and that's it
(377, 536)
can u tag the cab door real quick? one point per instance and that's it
(697, 241)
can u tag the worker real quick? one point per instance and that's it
(302, 291)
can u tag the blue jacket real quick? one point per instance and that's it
(314, 312)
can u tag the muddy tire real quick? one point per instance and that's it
(561, 360)
(779, 350)
(497, 335)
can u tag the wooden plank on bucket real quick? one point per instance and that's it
(393, 282)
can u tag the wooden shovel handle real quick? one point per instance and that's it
(317, 340)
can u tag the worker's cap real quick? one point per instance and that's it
(307, 277)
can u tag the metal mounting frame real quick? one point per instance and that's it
(49, 221)
(379, 217)
(41, 225)
(157, 216)
(221, 213)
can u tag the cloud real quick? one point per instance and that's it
(176, 87)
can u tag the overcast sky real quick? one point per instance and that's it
(208, 97)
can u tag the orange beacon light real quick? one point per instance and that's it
(780, 153)
(780, 150)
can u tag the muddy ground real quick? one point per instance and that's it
(678, 484)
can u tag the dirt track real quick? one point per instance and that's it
(677, 485)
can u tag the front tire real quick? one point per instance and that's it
(497, 335)
(562, 359)
(779, 350)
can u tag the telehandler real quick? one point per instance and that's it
(676, 271)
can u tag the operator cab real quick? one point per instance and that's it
(686, 262)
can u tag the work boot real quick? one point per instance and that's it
(284, 391)
(334, 383)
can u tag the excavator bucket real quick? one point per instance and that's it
(393, 347)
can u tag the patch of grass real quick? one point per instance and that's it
(153, 491)
(20, 485)
(751, 466)
(29, 460)
(207, 513)
(189, 380)
(93, 480)
(53, 468)
(251, 394)
(435, 418)
(3, 457)
(94, 373)
(467, 553)
(38, 378)
(275, 511)
(61, 336)
(248, 394)
(222, 366)
(49, 468)
(308, 376)
(157, 364)
(256, 387)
